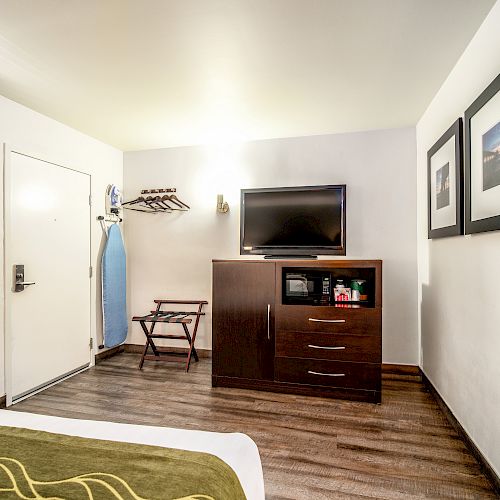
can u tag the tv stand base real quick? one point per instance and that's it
(289, 257)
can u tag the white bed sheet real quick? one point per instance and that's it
(236, 449)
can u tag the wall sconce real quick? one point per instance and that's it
(222, 206)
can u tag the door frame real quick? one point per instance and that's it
(5, 287)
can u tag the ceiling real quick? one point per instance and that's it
(141, 74)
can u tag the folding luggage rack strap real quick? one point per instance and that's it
(161, 316)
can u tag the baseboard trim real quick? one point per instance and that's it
(394, 369)
(486, 468)
(137, 349)
(3, 401)
(101, 356)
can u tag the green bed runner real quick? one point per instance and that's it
(36, 464)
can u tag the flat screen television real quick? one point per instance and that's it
(292, 221)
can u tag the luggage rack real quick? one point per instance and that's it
(172, 317)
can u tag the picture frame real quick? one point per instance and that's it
(445, 184)
(482, 161)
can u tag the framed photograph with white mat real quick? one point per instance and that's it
(445, 184)
(482, 161)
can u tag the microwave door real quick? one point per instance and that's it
(297, 287)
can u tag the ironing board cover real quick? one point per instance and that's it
(114, 293)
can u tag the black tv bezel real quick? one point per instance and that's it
(295, 250)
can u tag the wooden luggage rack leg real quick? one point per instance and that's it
(192, 349)
(149, 340)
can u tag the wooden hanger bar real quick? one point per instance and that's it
(156, 191)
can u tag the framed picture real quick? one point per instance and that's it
(482, 161)
(445, 184)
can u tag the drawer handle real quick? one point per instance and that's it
(312, 346)
(327, 374)
(268, 321)
(327, 320)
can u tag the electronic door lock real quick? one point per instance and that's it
(19, 282)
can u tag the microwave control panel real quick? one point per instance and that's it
(326, 285)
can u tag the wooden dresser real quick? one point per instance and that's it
(262, 338)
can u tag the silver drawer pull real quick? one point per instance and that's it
(268, 321)
(327, 320)
(312, 346)
(327, 374)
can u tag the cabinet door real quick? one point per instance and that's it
(243, 320)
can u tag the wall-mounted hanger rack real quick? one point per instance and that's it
(161, 190)
(155, 203)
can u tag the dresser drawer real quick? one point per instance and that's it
(328, 373)
(359, 321)
(332, 346)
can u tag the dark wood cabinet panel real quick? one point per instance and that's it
(243, 319)
(330, 346)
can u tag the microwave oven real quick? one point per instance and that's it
(312, 287)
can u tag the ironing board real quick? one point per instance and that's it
(114, 292)
(180, 317)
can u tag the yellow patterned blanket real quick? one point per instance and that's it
(42, 465)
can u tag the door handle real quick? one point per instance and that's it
(268, 321)
(19, 282)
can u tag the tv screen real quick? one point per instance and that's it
(293, 221)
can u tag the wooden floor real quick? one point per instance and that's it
(311, 448)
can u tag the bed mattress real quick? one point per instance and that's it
(235, 449)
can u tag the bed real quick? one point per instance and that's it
(236, 450)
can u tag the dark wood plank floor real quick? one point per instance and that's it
(311, 448)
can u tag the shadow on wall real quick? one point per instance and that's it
(435, 319)
(449, 311)
(98, 295)
(427, 318)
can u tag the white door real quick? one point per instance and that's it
(47, 230)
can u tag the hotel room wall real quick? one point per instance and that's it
(459, 276)
(32, 133)
(169, 255)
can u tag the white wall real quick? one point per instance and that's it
(32, 133)
(459, 277)
(170, 255)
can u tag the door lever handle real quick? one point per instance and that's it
(19, 282)
(20, 285)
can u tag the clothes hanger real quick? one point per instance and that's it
(142, 203)
(174, 197)
(153, 204)
(133, 202)
(169, 198)
(161, 203)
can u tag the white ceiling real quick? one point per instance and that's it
(142, 74)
